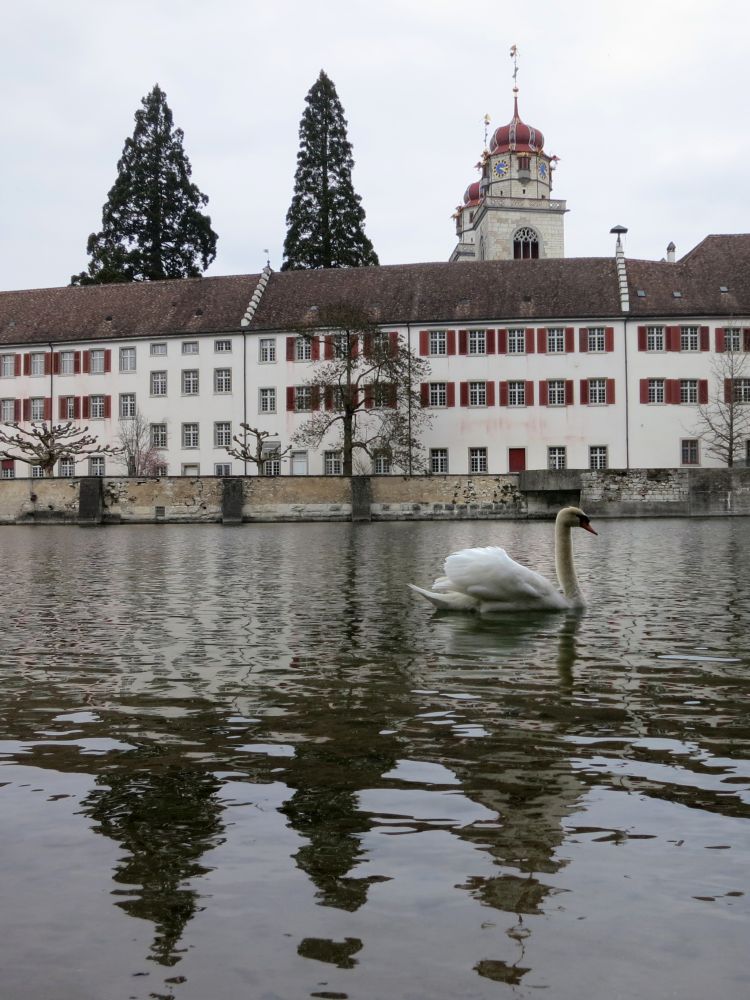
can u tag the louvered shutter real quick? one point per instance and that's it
(727, 390)
(86, 411)
(644, 390)
(702, 391)
(315, 349)
(424, 393)
(424, 343)
(451, 393)
(584, 391)
(541, 340)
(720, 340)
(328, 348)
(543, 394)
(27, 409)
(490, 390)
(463, 393)
(108, 360)
(609, 339)
(642, 338)
(290, 341)
(107, 407)
(290, 397)
(610, 391)
(569, 392)
(529, 341)
(502, 341)
(673, 338)
(569, 340)
(85, 362)
(463, 341)
(489, 339)
(705, 345)
(583, 339)
(27, 364)
(529, 395)
(393, 342)
(503, 393)
(450, 341)
(47, 408)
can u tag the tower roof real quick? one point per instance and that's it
(516, 136)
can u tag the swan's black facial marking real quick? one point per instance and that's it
(585, 523)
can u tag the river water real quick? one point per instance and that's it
(248, 764)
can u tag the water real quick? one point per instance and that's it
(249, 763)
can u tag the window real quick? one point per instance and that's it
(158, 435)
(596, 340)
(516, 341)
(223, 469)
(37, 364)
(439, 460)
(267, 401)
(96, 465)
(303, 349)
(655, 338)
(68, 407)
(689, 452)
(477, 342)
(7, 365)
(556, 458)
(689, 338)
(190, 382)
(37, 472)
(732, 339)
(688, 390)
(343, 345)
(477, 393)
(190, 436)
(556, 392)
(191, 469)
(597, 391)
(332, 465)
(380, 344)
(127, 359)
(223, 347)
(127, 405)
(556, 340)
(438, 342)
(266, 350)
(656, 390)
(223, 434)
(96, 407)
(598, 456)
(383, 395)
(158, 383)
(381, 465)
(161, 470)
(477, 459)
(222, 379)
(438, 394)
(302, 397)
(7, 411)
(66, 467)
(299, 463)
(158, 350)
(36, 409)
(272, 467)
(525, 241)
(96, 362)
(516, 394)
(7, 469)
(190, 347)
(741, 390)
(67, 362)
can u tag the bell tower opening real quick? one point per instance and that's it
(525, 244)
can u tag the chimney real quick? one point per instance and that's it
(670, 253)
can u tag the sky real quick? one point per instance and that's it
(645, 103)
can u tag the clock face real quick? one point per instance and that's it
(501, 168)
(543, 171)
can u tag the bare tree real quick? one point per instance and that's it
(364, 392)
(257, 446)
(45, 444)
(138, 454)
(723, 423)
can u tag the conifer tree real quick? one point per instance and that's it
(152, 224)
(325, 221)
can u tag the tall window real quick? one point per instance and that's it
(37, 363)
(438, 342)
(332, 465)
(222, 380)
(525, 244)
(689, 452)
(303, 349)
(127, 359)
(477, 393)
(266, 350)
(68, 407)
(517, 341)
(7, 365)
(96, 465)
(36, 409)
(556, 392)
(596, 340)
(272, 466)
(556, 458)
(67, 362)
(381, 465)
(267, 400)
(96, 361)
(190, 382)
(158, 383)
(516, 394)
(556, 340)
(96, 407)
(302, 397)
(477, 342)
(37, 472)
(223, 434)
(656, 390)
(477, 460)
(158, 435)
(655, 338)
(8, 469)
(438, 394)
(7, 411)
(741, 390)
(597, 391)
(66, 467)
(190, 436)
(732, 339)
(598, 456)
(127, 405)
(689, 338)
(688, 390)
(383, 395)
(439, 460)
(190, 347)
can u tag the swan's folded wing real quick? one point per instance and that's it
(489, 574)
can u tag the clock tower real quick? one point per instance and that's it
(510, 213)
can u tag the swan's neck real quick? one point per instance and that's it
(566, 571)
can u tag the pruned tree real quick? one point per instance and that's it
(45, 444)
(137, 453)
(325, 221)
(152, 224)
(723, 423)
(363, 394)
(258, 447)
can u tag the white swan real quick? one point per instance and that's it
(487, 580)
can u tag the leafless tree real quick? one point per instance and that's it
(45, 444)
(723, 423)
(257, 446)
(138, 454)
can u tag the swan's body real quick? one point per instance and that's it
(487, 580)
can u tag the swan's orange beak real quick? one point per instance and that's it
(586, 525)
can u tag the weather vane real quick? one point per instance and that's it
(514, 57)
(487, 120)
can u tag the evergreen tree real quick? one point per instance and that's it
(325, 221)
(152, 225)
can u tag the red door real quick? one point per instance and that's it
(516, 459)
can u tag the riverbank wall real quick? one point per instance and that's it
(524, 495)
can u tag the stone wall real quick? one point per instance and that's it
(446, 497)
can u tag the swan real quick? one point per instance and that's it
(487, 580)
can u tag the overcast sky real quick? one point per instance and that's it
(645, 102)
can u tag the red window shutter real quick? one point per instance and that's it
(392, 395)
(610, 391)
(721, 342)
(77, 363)
(489, 339)
(355, 396)
(644, 390)
(56, 363)
(48, 408)
(569, 392)
(543, 394)
(355, 345)
(424, 342)
(490, 393)
(290, 397)
(369, 399)
(705, 346)
(746, 339)
(77, 408)
(61, 410)
(47, 364)
(463, 341)
(609, 339)
(424, 393)
(584, 391)
(27, 364)
(673, 338)
(289, 348)
(367, 345)
(451, 394)
(703, 391)
(27, 409)
(328, 397)
(583, 339)
(19, 364)
(642, 340)
(85, 401)
(529, 393)
(16, 409)
(570, 339)
(107, 407)
(315, 349)
(541, 340)
(503, 393)
(450, 339)
(393, 342)
(328, 348)
(85, 358)
(673, 391)
(529, 341)
(108, 360)
(463, 393)
(502, 341)
(315, 397)
(727, 391)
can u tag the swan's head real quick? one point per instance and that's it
(574, 517)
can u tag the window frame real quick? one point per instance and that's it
(125, 352)
(156, 380)
(157, 435)
(557, 458)
(222, 434)
(222, 381)
(190, 434)
(267, 345)
(438, 394)
(556, 392)
(476, 343)
(190, 381)
(690, 451)
(478, 461)
(655, 339)
(556, 340)
(596, 342)
(122, 405)
(517, 340)
(598, 457)
(597, 390)
(439, 457)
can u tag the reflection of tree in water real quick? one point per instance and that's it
(166, 815)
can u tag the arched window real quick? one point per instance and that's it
(525, 244)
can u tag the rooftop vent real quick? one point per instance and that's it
(108, 319)
(676, 295)
(198, 312)
(723, 288)
(640, 292)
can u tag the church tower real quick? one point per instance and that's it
(509, 213)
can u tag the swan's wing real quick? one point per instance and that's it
(489, 574)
